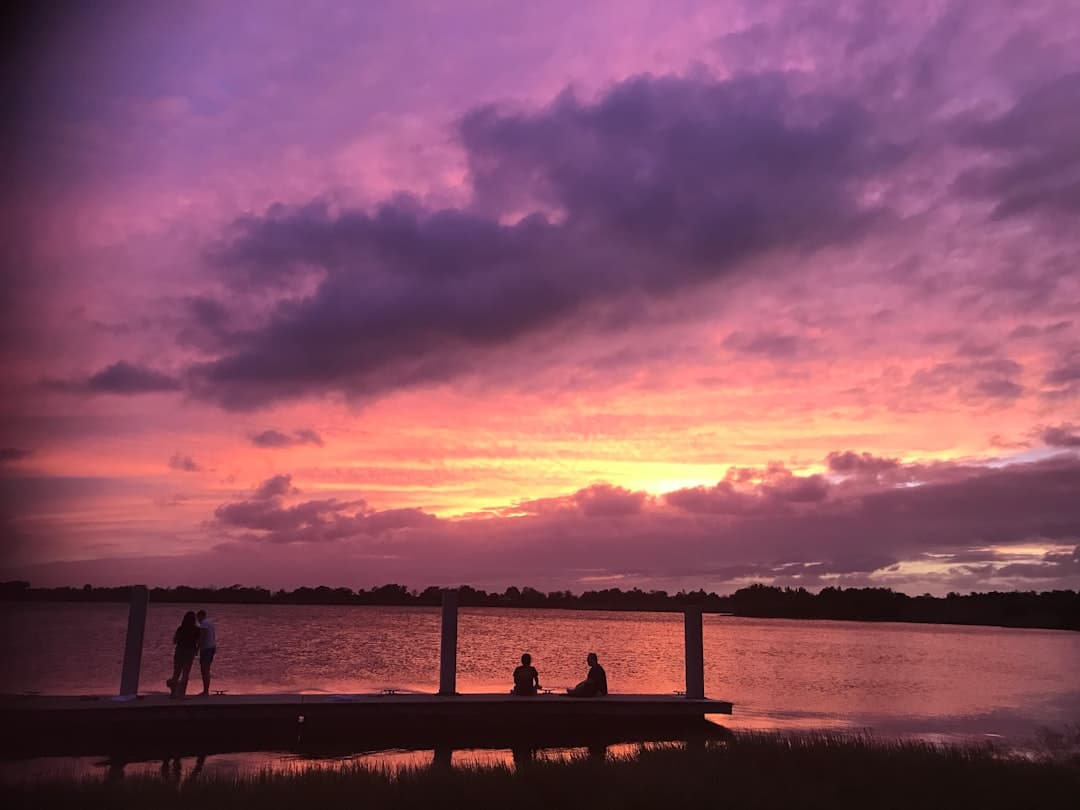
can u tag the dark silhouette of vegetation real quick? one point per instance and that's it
(749, 770)
(1050, 609)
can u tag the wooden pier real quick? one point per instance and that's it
(38, 726)
(150, 725)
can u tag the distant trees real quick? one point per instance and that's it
(1049, 609)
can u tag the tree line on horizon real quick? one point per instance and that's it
(1048, 609)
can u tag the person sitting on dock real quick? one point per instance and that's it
(526, 678)
(595, 683)
(186, 639)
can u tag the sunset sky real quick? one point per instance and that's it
(566, 294)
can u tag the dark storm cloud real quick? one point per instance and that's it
(1037, 141)
(660, 184)
(694, 168)
(277, 439)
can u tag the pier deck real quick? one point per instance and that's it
(44, 725)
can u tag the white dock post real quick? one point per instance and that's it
(695, 654)
(448, 645)
(133, 645)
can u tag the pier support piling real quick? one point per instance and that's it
(695, 654)
(133, 645)
(448, 645)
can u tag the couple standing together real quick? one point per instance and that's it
(195, 634)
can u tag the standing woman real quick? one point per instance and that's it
(186, 639)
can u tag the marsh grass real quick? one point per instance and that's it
(747, 770)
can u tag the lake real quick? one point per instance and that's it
(937, 682)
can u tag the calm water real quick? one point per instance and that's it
(932, 681)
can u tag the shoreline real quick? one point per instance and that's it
(1051, 610)
(675, 610)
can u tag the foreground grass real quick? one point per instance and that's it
(759, 771)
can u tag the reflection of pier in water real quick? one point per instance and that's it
(442, 722)
(186, 768)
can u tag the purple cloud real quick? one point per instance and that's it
(858, 463)
(768, 344)
(1061, 436)
(277, 439)
(184, 463)
(597, 500)
(1037, 138)
(748, 492)
(266, 517)
(605, 500)
(128, 379)
(276, 486)
(659, 185)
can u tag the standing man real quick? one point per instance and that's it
(207, 648)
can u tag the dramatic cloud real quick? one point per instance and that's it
(747, 492)
(127, 379)
(597, 500)
(1014, 526)
(266, 517)
(660, 184)
(976, 380)
(276, 439)
(274, 487)
(850, 462)
(1037, 138)
(1061, 436)
(555, 306)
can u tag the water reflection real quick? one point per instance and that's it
(781, 674)
(186, 769)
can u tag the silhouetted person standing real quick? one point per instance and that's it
(207, 648)
(186, 639)
(526, 678)
(595, 683)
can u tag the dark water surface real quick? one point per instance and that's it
(937, 682)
